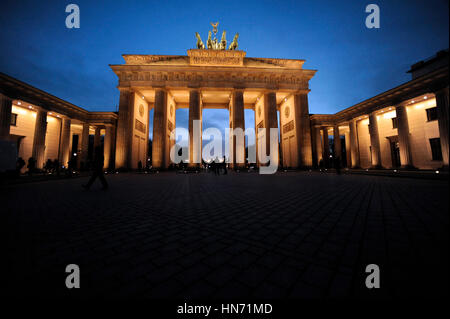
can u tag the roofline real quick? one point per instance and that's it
(20, 90)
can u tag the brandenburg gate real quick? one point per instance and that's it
(211, 76)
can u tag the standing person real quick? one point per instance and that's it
(337, 165)
(19, 165)
(56, 166)
(98, 169)
(48, 166)
(31, 165)
(225, 171)
(216, 166)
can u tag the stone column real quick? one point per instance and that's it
(237, 121)
(347, 150)
(270, 120)
(326, 146)
(443, 114)
(315, 161)
(374, 140)
(97, 137)
(159, 129)
(354, 148)
(85, 144)
(256, 136)
(403, 136)
(124, 129)
(5, 116)
(147, 150)
(195, 142)
(303, 130)
(319, 146)
(40, 129)
(108, 148)
(64, 151)
(337, 142)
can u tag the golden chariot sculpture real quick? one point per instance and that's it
(214, 44)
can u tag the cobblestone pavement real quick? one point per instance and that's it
(289, 235)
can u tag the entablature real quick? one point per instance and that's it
(219, 77)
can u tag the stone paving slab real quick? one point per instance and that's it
(288, 235)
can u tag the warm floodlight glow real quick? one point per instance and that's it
(18, 110)
(425, 104)
(389, 115)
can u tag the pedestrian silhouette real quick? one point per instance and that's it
(337, 164)
(224, 165)
(216, 166)
(48, 166)
(19, 165)
(31, 166)
(98, 169)
(56, 166)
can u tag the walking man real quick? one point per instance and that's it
(98, 169)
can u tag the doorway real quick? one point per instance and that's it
(395, 152)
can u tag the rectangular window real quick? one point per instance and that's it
(432, 114)
(436, 152)
(394, 122)
(13, 119)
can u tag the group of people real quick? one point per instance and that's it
(334, 162)
(216, 166)
(49, 167)
(54, 166)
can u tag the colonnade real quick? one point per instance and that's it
(266, 117)
(65, 136)
(322, 148)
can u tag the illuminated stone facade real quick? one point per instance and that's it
(39, 125)
(210, 79)
(405, 127)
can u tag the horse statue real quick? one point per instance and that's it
(223, 41)
(200, 44)
(234, 44)
(209, 42)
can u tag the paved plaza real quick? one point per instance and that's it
(288, 235)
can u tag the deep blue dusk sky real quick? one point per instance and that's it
(353, 62)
